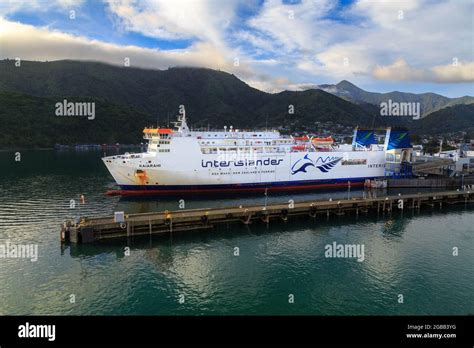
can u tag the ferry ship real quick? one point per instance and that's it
(179, 160)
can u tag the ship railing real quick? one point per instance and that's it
(374, 147)
(128, 156)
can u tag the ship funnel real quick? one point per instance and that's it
(363, 138)
(397, 139)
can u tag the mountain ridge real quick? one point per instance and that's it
(429, 101)
(142, 97)
(209, 96)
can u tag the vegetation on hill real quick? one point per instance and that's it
(450, 119)
(128, 99)
(30, 121)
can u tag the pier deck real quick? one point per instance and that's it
(100, 228)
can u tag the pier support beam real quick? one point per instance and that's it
(247, 220)
(284, 215)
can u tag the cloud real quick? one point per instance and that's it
(460, 72)
(178, 19)
(387, 13)
(400, 70)
(31, 43)
(368, 36)
(290, 26)
(277, 45)
(31, 6)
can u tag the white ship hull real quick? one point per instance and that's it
(184, 161)
(186, 169)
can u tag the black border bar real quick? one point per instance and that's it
(159, 330)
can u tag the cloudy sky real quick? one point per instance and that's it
(412, 45)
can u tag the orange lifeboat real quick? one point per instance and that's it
(303, 138)
(298, 147)
(323, 141)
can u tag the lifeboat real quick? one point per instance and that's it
(323, 141)
(303, 138)
(298, 147)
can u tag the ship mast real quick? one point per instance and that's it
(181, 125)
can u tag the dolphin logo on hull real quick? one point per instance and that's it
(302, 168)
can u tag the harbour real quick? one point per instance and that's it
(406, 252)
(276, 226)
(248, 168)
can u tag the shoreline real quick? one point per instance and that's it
(8, 149)
(69, 147)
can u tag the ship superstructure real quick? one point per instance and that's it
(180, 160)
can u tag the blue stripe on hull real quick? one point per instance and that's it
(270, 185)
